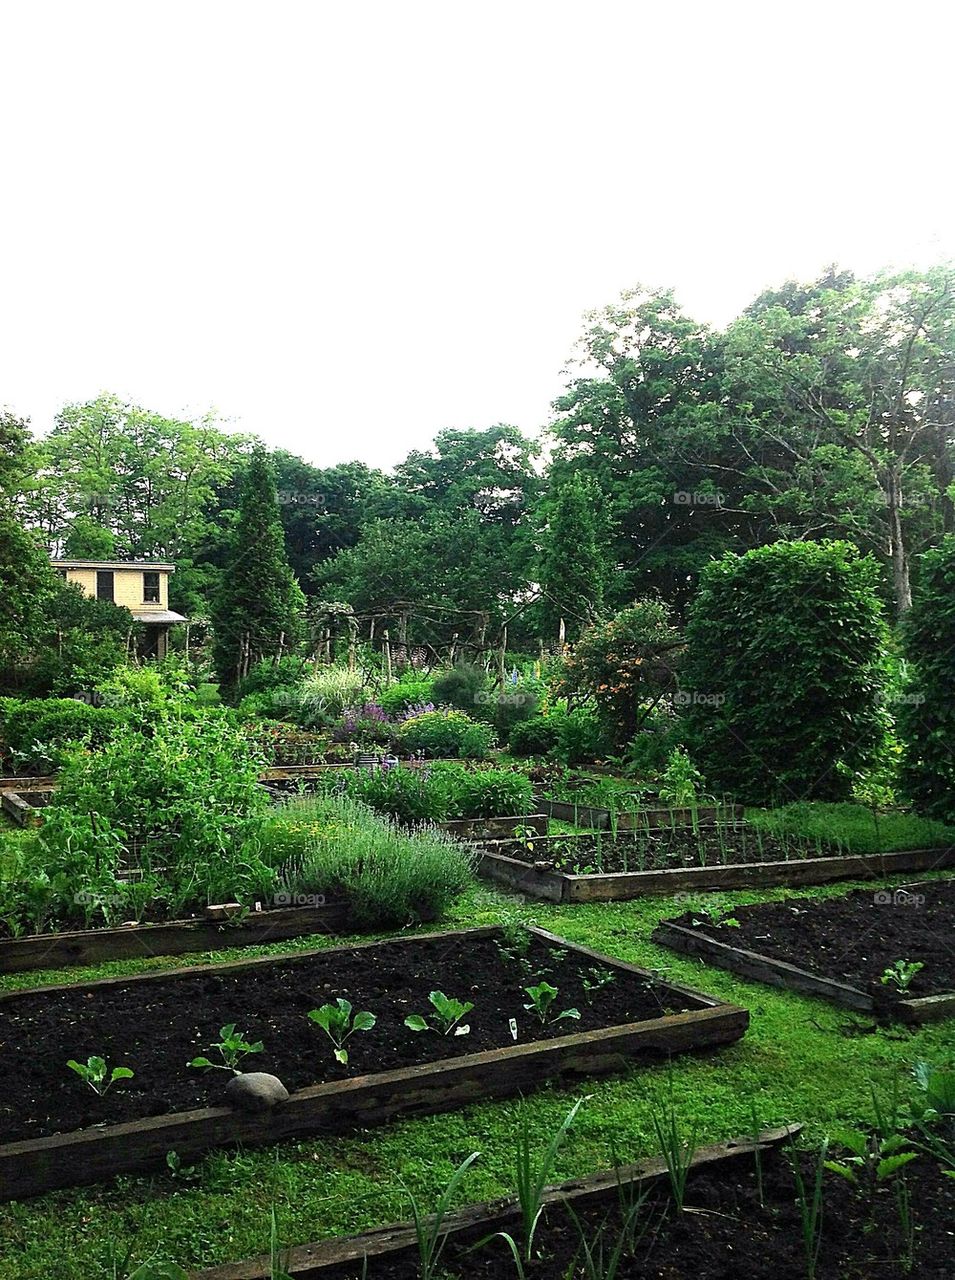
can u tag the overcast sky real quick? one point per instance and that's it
(346, 226)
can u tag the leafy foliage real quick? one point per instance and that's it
(784, 671)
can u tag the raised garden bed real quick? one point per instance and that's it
(544, 868)
(599, 819)
(741, 1218)
(838, 948)
(169, 938)
(54, 1132)
(25, 807)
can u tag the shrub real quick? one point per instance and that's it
(460, 687)
(340, 850)
(536, 736)
(37, 731)
(486, 793)
(446, 733)
(927, 709)
(324, 695)
(185, 791)
(410, 691)
(625, 665)
(784, 671)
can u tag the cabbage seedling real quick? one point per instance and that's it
(338, 1024)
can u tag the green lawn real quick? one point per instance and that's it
(801, 1060)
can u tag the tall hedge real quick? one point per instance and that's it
(926, 713)
(784, 671)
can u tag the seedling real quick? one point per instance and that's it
(876, 1158)
(596, 981)
(232, 1047)
(94, 1072)
(446, 1018)
(900, 974)
(338, 1024)
(542, 1000)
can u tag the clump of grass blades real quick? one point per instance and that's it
(338, 848)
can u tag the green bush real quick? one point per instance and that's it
(460, 687)
(784, 671)
(446, 733)
(341, 851)
(536, 736)
(184, 792)
(486, 793)
(410, 691)
(926, 710)
(37, 731)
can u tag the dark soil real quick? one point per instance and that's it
(728, 1232)
(155, 1028)
(853, 938)
(708, 846)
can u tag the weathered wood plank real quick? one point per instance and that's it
(174, 937)
(619, 886)
(311, 1261)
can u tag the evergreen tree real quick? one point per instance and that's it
(573, 564)
(258, 613)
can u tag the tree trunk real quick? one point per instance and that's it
(897, 550)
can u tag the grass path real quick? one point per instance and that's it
(802, 1059)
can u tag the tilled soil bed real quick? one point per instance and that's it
(156, 1027)
(854, 938)
(661, 850)
(731, 1229)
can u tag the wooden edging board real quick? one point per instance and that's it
(586, 815)
(37, 1165)
(312, 1261)
(169, 938)
(618, 886)
(780, 973)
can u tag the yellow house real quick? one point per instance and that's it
(141, 586)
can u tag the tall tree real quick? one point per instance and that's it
(258, 613)
(574, 564)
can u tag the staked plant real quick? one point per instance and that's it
(232, 1047)
(97, 1075)
(446, 1019)
(338, 1023)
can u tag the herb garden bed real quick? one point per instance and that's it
(588, 868)
(839, 948)
(742, 1216)
(169, 938)
(55, 1133)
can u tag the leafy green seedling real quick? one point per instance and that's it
(232, 1047)
(542, 1000)
(446, 1017)
(94, 1072)
(338, 1024)
(900, 974)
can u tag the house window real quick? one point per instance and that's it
(104, 585)
(151, 588)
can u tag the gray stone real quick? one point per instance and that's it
(255, 1091)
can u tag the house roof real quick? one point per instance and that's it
(112, 564)
(156, 615)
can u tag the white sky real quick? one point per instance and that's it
(347, 225)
